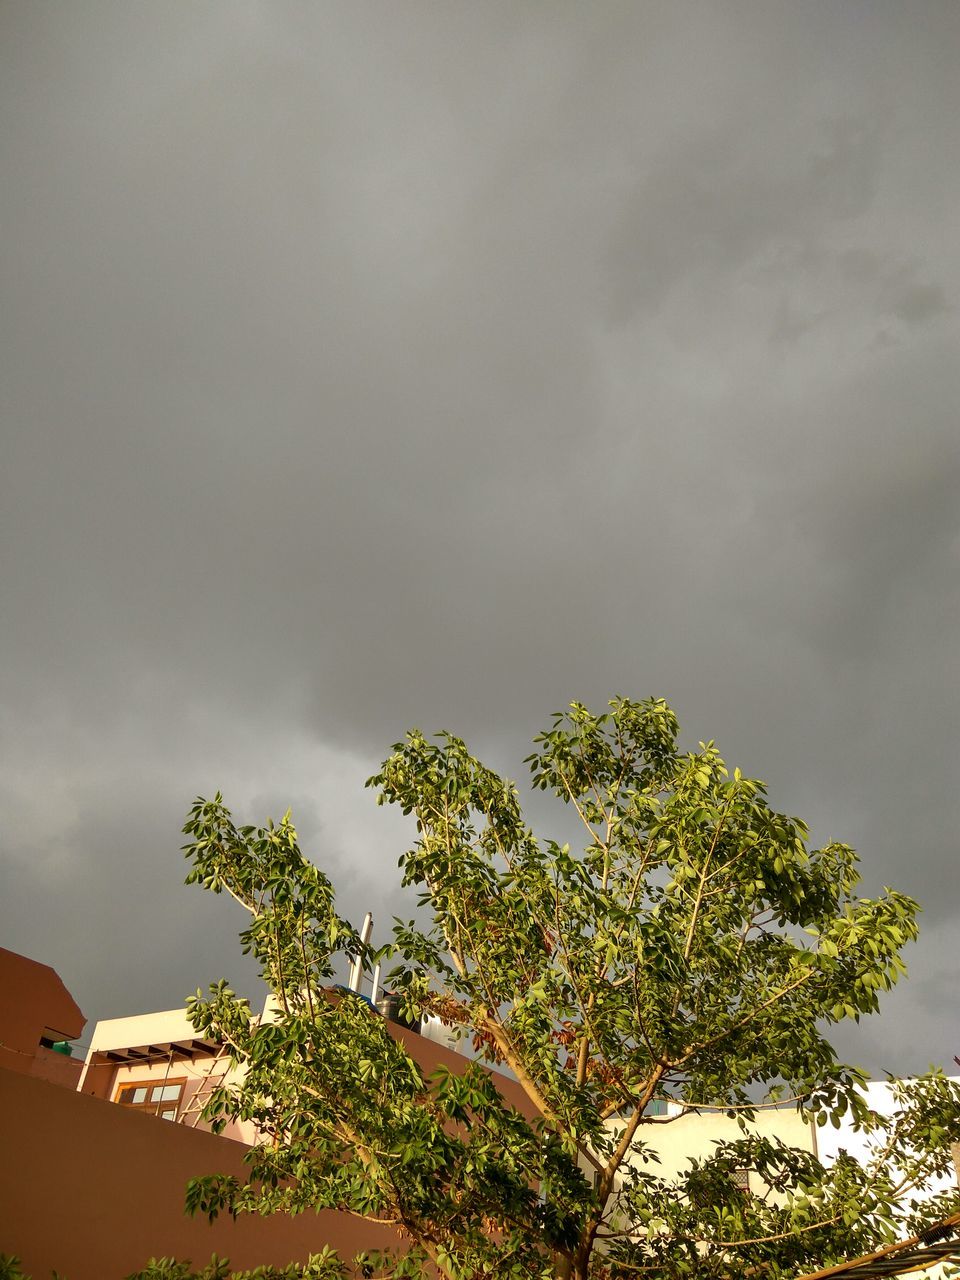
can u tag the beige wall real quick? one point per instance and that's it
(694, 1134)
(199, 1072)
(142, 1028)
(102, 1078)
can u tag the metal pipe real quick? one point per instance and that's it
(356, 971)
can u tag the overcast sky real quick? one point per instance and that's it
(365, 366)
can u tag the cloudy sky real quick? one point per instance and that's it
(371, 365)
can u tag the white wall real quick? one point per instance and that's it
(832, 1141)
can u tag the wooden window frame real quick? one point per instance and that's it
(150, 1107)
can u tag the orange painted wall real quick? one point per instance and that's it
(92, 1190)
(57, 1068)
(34, 1003)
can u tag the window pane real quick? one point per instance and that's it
(139, 1095)
(169, 1093)
(169, 1114)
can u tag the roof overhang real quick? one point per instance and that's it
(165, 1051)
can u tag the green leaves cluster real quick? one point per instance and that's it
(321, 1266)
(695, 947)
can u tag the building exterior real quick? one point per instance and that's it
(691, 1133)
(844, 1138)
(156, 1064)
(680, 1133)
(879, 1096)
(97, 1153)
(92, 1190)
(38, 1020)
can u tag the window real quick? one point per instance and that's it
(711, 1187)
(160, 1098)
(655, 1107)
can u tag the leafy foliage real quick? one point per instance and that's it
(696, 948)
(321, 1266)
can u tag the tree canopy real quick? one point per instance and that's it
(695, 948)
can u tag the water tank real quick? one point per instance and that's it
(389, 1006)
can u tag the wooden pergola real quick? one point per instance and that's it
(937, 1243)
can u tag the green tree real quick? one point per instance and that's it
(694, 949)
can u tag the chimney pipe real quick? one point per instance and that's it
(356, 970)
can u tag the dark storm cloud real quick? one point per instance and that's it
(366, 367)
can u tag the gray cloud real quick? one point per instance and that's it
(366, 368)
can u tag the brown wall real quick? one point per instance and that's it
(57, 1068)
(92, 1190)
(35, 1003)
